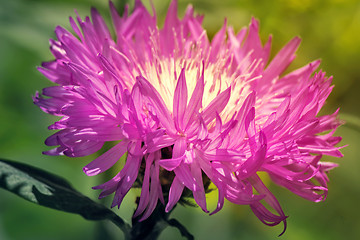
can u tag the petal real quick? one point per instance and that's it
(171, 164)
(221, 199)
(178, 155)
(106, 160)
(260, 211)
(184, 175)
(240, 117)
(195, 102)
(216, 106)
(158, 104)
(282, 60)
(155, 192)
(176, 190)
(129, 176)
(217, 42)
(144, 197)
(155, 143)
(199, 194)
(180, 100)
(100, 25)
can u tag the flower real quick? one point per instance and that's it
(188, 111)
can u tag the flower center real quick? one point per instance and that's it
(164, 74)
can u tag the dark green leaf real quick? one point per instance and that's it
(46, 189)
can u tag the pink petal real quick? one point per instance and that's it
(199, 194)
(157, 102)
(176, 190)
(180, 100)
(144, 197)
(195, 102)
(262, 213)
(106, 160)
(178, 155)
(99, 24)
(282, 59)
(216, 106)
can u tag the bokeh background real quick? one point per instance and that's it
(330, 30)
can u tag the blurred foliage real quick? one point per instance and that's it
(330, 30)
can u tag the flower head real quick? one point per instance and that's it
(188, 111)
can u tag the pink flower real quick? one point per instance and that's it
(188, 111)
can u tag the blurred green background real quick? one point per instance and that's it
(330, 30)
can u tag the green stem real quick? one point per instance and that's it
(125, 227)
(184, 232)
(151, 228)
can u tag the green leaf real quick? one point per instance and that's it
(46, 189)
(49, 190)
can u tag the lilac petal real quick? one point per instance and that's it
(216, 106)
(111, 69)
(171, 19)
(54, 139)
(176, 190)
(116, 19)
(242, 194)
(57, 51)
(282, 59)
(307, 189)
(52, 106)
(155, 143)
(144, 197)
(184, 175)
(202, 132)
(195, 102)
(250, 129)
(76, 28)
(57, 92)
(262, 213)
(156, 182)
(129, 176)
(105, 132)
(171, 164)
(180, 147)
(52, 75)
(253, 42)
(178, 155)
(333, 151)
(111, 186)
(198, 34)
(99, 24)
(199, 194)
(221, 200)
(241, 116)
(83, 149)
(266, 50)
(224, 155)
(164, 115)
(59, 151)
(306, 174)
(180, 100)
(303, 128)
(128, 27)
(155, 193)
(217, 42)
(327, 166)
(106, 160)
